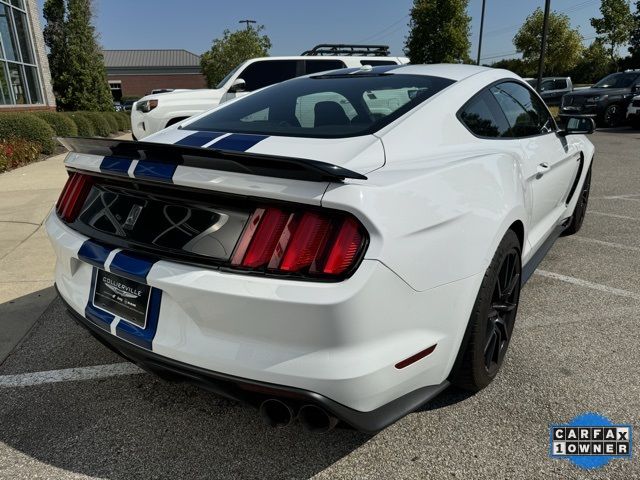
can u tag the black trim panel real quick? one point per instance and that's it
(253, 392)
(212, 159)
(532, 264)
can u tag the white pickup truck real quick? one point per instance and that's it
(153, 113)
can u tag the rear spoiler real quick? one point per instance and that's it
(211, 159)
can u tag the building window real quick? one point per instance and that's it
(19, 83)
(116, 89)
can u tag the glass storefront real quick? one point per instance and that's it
(19, 84)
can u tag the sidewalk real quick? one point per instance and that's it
(27, 194)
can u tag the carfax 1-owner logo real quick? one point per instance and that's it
(590, 441)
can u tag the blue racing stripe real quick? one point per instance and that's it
(96, 316)
(115, 165)
(154, 171)
(94, 253)
(131, 266)
(198, 139)
(143, 337)
(238, 142)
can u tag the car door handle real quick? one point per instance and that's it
(543, 168)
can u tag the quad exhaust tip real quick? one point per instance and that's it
(279, 414)
(315, 419)
(276, 413)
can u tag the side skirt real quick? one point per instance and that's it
(534, 261)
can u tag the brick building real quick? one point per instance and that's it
(134, 73)
(25, 80)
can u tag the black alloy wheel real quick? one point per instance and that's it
(613, 116)
(502, 312)
(581, 208)
(492, 319)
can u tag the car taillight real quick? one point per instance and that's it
(73, 196)
(323, 244)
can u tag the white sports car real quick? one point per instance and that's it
(341, 246)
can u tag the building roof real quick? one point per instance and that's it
(150, 58)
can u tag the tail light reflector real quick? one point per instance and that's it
(73, 196)
(324, 244)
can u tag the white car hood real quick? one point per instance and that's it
(361, 154)
(185, 95)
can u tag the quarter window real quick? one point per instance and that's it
(483, 117)
(316, 66)
(264, 73)
(526, 114)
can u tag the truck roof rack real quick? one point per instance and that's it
(348, 49)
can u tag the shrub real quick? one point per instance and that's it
(27, 127)
(120, 121)
(85, 127)
(100, 124)
(62, 125)
(17, 152)
(111, 120)
(126, 119)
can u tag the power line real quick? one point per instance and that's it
(383, 30)
(570, 9)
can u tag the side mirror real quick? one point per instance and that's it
(636, 88)
(578, 125)
(238, 85)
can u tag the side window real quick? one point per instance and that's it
(324, 108)
(267, 72)
(547, 85)
(560, 84)
(316, 66)
(525, 112)
(483, 117)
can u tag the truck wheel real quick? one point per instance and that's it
(612, 116)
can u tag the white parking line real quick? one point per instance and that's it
(69, 375)
(587, 284)
(613, 215)
(607, 244)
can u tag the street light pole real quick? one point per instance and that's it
(481, 29)
(543, 45)
(248, 22)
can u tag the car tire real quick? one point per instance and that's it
(635, 124)
(612, 116)
(491, 323)
(581, 208)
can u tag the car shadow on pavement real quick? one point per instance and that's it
(137, 426)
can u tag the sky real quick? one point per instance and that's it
(296, 25)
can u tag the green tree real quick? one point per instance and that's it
(439, 32)
(54, 38)
(594, 64)
(516, 65)
(564, 44)
(614, 28)
(231, 50)
(634, 38)
(79, 74)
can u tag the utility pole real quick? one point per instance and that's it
(248, 22)
(481, 29)
(543, 46)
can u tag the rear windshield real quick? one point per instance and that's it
(326, 106)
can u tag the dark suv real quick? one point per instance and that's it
(607, 100)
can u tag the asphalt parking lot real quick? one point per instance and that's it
(575, 350)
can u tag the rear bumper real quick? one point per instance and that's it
(341, 340)
(252, 392)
